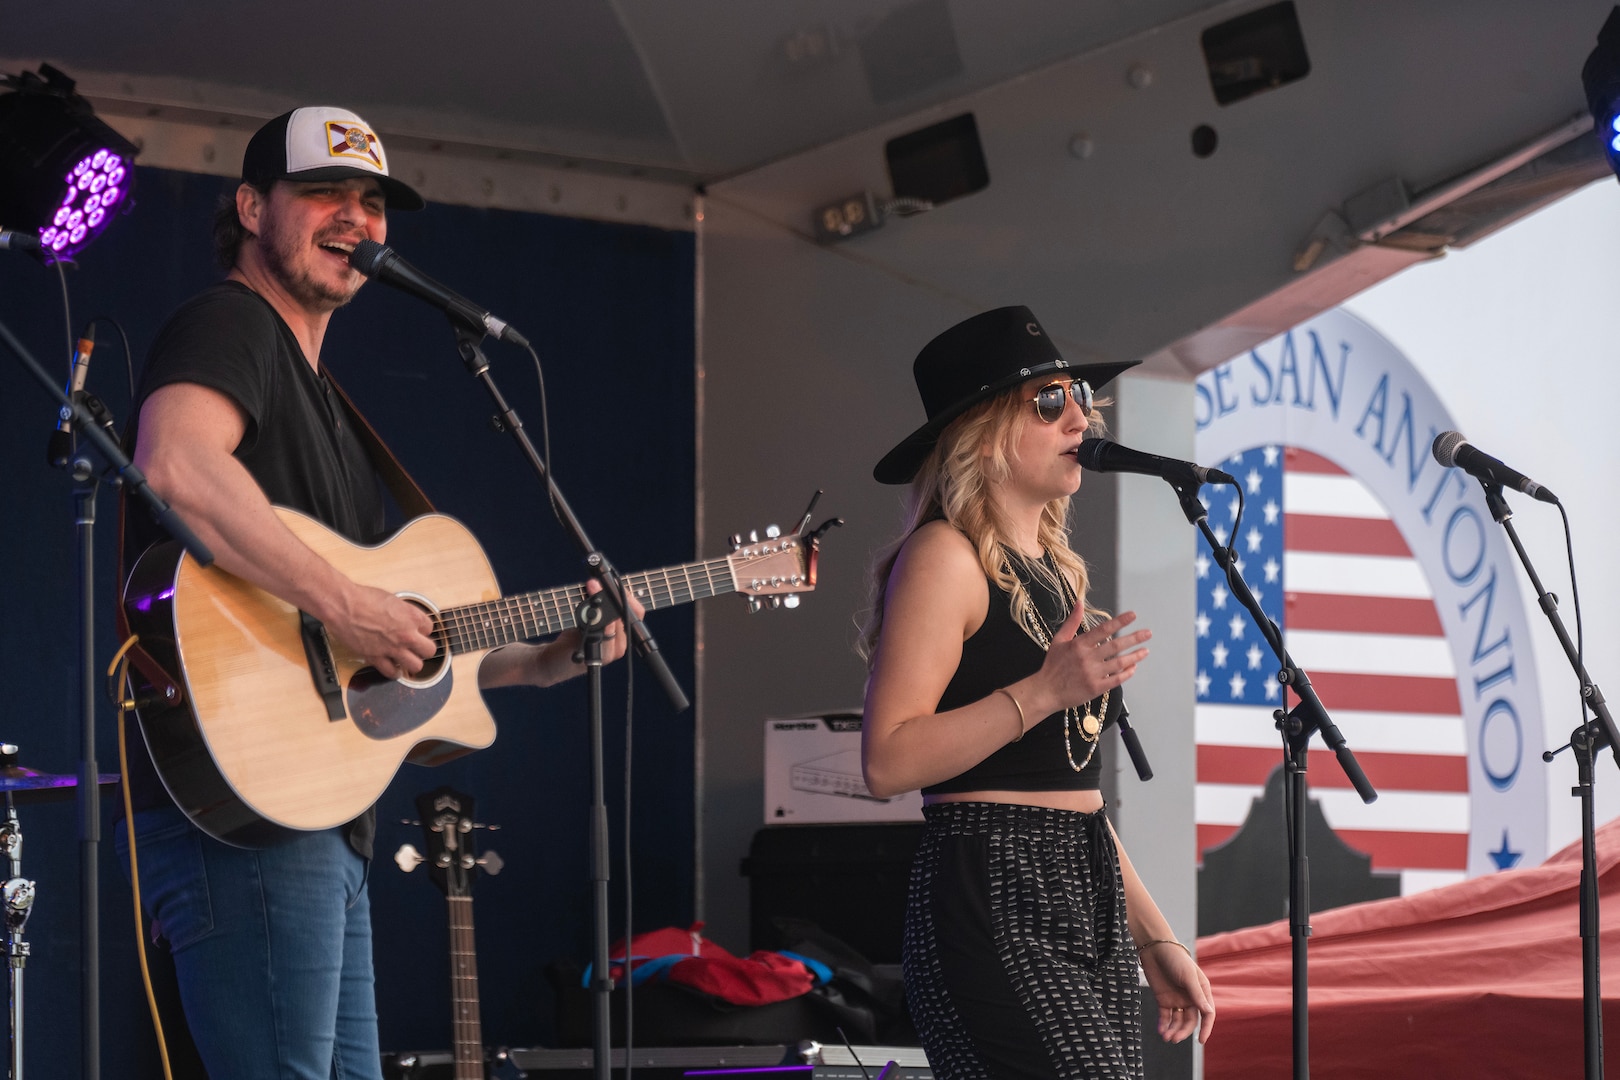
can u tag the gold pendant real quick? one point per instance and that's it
(1090, 725)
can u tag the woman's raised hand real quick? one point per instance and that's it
(1080, 666)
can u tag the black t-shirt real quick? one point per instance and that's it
(299, 443)
(999, 653)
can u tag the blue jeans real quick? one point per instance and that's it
(272, 948)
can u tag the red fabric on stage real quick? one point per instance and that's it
(1477, 979)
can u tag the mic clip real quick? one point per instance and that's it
(59, 451)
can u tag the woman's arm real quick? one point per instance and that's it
(1186, 1002)
(936, 599)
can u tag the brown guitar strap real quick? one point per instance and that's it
(410, 496)
(163, 684)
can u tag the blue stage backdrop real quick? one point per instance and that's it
(610, 310)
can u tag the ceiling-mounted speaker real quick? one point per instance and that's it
(1255, 52)
(938, 163)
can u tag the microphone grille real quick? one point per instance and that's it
(1090, 454)
(1446, 445)
(367, 257)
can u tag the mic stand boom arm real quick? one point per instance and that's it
(592, 621)
(89, 794)
(467, 342)
(1586, 741)
(1297, 725)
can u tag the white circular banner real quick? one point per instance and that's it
(1397, 594)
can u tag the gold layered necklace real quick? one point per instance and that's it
(1088, 723)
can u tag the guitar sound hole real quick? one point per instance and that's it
(434, 665)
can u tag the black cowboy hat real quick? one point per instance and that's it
(973, 361)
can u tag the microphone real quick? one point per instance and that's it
(377, 261)
(13, 240)
(1454, 451)
(61, 444)
(1101, 455)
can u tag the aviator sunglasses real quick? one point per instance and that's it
(1049, 399)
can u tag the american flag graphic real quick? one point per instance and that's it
(1357, 614)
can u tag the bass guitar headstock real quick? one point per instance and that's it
(452, 857)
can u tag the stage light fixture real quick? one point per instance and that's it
(64, 174)
(1601, 80)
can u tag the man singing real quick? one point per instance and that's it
(235, 413)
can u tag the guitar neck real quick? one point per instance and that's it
(469, 1033)
(493, 623)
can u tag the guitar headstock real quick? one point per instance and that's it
(452, 858)
(778, 568)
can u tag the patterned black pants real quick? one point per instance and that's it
(1018, 961)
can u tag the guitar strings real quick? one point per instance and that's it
(490, 623)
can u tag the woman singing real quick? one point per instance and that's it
(991, 684)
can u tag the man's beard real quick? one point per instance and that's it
(280, 251)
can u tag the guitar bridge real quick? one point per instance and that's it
(322, 668)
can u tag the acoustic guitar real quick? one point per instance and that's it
(266, 724)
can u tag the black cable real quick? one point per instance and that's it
(629, 710)
(545, 430)
(67, 316)
(129, 355)
(1575, 599)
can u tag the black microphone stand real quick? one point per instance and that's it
(1297, 725)
(1586, 741)
(593, 616)
(86, 482)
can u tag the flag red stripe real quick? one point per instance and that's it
(1409, 850)
(1343, 535)
(1386, 693)
(1387, 771)
(1389, 850)
(1362, 614)
(1303, 461)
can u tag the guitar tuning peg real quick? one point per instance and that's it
(773, 531)
(791, 600)
(753, 536)
(776, 602)
(753, 605)
(492, 862)
(407, 858)
(735, 540)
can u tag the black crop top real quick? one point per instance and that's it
(1000, 653)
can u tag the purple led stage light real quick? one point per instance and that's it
(63, 173)
(92, 188)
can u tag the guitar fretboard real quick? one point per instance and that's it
(469, 1034)
(493, 623)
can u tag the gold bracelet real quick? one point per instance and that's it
(1163, 941)
(1020, 708)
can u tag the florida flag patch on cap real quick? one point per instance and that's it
(319, 138)
(352, 140)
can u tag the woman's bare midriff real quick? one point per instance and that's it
(1084, 802)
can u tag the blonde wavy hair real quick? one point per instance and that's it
(954, 484)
